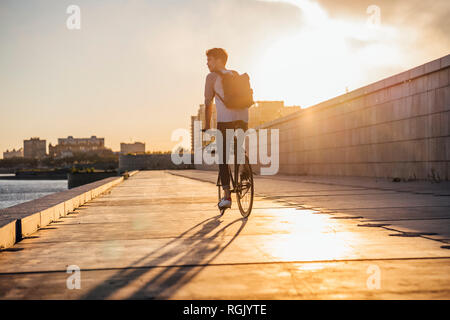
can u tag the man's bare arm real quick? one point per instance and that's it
(208, 115)
(209, 96)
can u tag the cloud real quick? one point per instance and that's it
(340, 49)
(421, 24)
(426, 23)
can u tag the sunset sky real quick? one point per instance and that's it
(135, 71)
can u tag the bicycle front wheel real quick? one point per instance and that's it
(245, 189)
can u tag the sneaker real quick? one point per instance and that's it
(224, 203)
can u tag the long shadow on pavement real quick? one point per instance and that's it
(194, 253)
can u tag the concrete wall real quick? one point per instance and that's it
(396, 127)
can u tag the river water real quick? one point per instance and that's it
(13, 192)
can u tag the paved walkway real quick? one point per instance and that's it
(158, 235)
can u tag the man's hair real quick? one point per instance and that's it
(218, 53)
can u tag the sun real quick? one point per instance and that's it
(323, 58)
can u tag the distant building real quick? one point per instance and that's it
(193, 119)
(136, 147)
(265, 111)
(13, 153)
(34, 148)
(200, 116)
(68, 146)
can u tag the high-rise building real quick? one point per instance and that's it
(136, 147)
(34, 148)
(200, 116)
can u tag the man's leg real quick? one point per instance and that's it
(223, 165)
(241, 138)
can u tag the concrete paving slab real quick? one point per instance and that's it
(157, 235)
(399, 279)
(372, 199)
(403, 213)
(441, 227)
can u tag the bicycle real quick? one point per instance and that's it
(243, 186)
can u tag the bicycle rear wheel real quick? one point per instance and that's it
(245, 188)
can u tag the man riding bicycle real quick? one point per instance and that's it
(226, 118)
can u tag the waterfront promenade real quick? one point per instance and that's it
(158, 235)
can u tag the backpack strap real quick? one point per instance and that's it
(215, 93)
